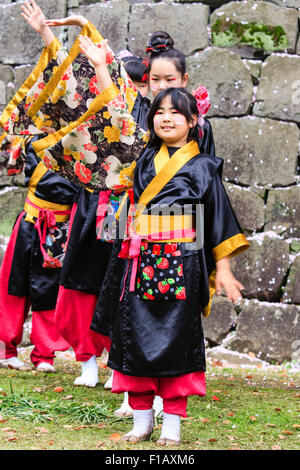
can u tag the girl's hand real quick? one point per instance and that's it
(34, 16)
(226, 280)
(36, 19)
(74, 20)
(96, 54)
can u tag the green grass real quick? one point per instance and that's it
(255, 409)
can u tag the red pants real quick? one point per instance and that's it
(74, 313)
(173, 390)
(14, 311)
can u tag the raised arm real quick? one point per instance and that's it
(34, 16)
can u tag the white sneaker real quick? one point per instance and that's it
(14, 363)
(89, 374)
(45, 367)
(125, 411)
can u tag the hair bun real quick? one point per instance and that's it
(159, 42)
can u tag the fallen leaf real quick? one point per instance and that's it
(285, 431)
(42, 430)
(2, 420)
(50, 443)
(58, 389)
(205, 420)
(226, 421)
(230, 414)
(251, 354)
(277, 409)
(68, 426)
(198, 443)
(212, 440)
(215, 398)
(296, 425)
(79, 427)
(249, 376)
(252, 418)
(115, 437)
(68, 397)
(271, 425)
(12, 439)
(102, 366)
(276, 447)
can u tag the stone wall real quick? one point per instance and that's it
(255, 115)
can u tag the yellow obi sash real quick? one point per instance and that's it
(33, 204)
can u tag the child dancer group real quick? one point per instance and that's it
(94, 252)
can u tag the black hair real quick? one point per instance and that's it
(136, 68)
(161, 46)
(184, 102)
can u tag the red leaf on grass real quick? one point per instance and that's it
(215, 398)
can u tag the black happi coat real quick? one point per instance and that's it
(104, 315)
(28, 277)
(87, 258)
(160, 338)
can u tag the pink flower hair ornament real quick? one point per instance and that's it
(203, 104)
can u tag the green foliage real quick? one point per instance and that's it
(269, 38)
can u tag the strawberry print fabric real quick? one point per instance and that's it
(161, 272)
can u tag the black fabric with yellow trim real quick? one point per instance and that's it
(160, 338)
(27, 276)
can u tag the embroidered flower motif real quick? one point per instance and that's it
(91, 147)
(93, 85)
(82, 172)
(112, 134)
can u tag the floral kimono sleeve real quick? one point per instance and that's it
(98, 140)
(15, 118)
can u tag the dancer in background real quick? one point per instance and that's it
(31, 267)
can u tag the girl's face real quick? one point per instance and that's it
(143, 87)
(171, 126)
(164, 74)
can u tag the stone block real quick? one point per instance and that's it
(263, 152)
(19, 42)
(261, 12)
(270, 331)
(186, 23)
(227, 79)
(283, 211)
(248, 206)
(278, 94)
(220, 321)
(262, 268)
(110, 18)
(6, 85)
(291, 290)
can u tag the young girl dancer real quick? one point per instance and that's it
(157, 343)
(31, 267)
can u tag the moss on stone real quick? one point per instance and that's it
(226, 33)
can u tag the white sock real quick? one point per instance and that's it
(89, 374)
(125, 411)
(171, 427)
(142, 422)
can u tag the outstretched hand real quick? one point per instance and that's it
(73, 20)
(96, 54)
(33, 15)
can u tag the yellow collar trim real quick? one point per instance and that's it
(173, 165)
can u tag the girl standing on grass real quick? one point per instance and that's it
(157, 339)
